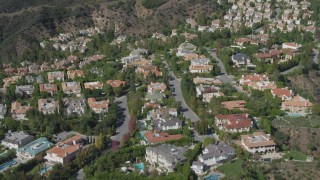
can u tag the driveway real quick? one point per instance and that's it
(124, 118)
(186, 110)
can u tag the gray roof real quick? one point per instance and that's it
(20, 138)
(25, 89)
(200, 61)
(218, 150)
(197, 163)
(240, 57)
(74, 103)
(171, 121)
(170, 152)
(187, 46)
(155, 95)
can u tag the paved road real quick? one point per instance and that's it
(124, 118)
(187, 112)
(316, 56)
(80, 175)
(224, 77)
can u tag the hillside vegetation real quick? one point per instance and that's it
(24, 23)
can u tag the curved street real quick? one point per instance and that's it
(187, 112)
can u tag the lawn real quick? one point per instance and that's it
(297, 155)
(232, 169)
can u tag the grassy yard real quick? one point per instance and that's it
(232, 169)
(297, 155)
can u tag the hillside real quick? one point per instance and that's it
(24, 23)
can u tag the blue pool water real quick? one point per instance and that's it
(141, 134)
(212, 177)
(7, 164)
(139, 166)
(45, 169)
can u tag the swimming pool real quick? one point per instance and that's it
(8, 164)
(45, 169)
(139, 166)
(212, 177)
(141, 134)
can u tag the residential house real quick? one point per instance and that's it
(165, 156)
(258, 142)
(49, 88)
(18, 111)
(25, 90)
(283, 93)
(55, 76)
(71, 88)
(208, 81)
(234, 105)
(163, 112)
(44, 67)
(168, 123)
(240, 59)
(65, 151)
(298, 106)
(208, 96)
(158, 137)
(200, 68)
(34, 69)
(72, 74)
(116, 83)
(214, 154)
(204, 89)
(293, 46)
(187, 51)
(74, 106)
(146, 70)
(93, 85)
(98, 106)
(256, 81)
(30, 79)
(155, 96)
(10, 80)
(15, 140)
(269, 57)
(130, 59)
(35, 147)
(198, 167)
(233, 122)
(48, 106)
(3, 110)
(200, 61)
(157, 87)
(73, 59)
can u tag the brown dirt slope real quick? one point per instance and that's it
(309, 83)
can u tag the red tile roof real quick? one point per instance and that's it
(161, 137)
(235, 121)
(116, 83)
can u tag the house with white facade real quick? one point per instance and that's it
(15, 140)
(258, 142)
(216, 153)
(65, 151)
(165, 156)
